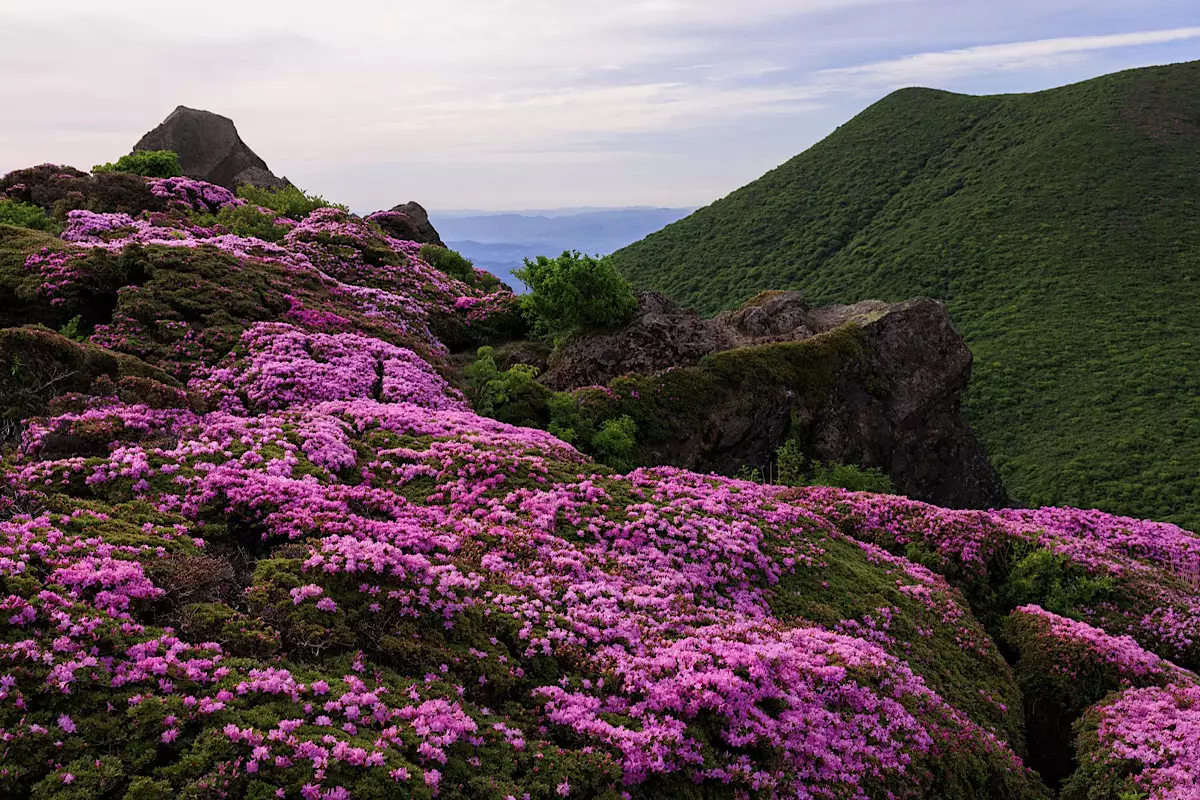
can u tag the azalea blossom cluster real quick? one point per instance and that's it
(1156, 604)
(1147, 742)
(194, 195)
(332, 273)
(1068, 636)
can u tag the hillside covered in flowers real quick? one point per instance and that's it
(255, 543)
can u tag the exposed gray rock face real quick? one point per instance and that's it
(408, 221)
(892, 401)
(210, 149)
(906, 416)
(661, 335)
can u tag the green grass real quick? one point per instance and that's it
(1059, 228)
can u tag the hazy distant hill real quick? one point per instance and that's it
(499, 242)
(1062, 229)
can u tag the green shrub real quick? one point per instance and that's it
(573, 293)
(509, 395)
(791, 468)
(1056, 583)
(247, 220)
(849, 476)
(449, 262)
(615, 442)
(289, 201)
(72, 329)
(147, 163)
(23, 215)
(789, 464)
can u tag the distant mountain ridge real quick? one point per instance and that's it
(1059, 227)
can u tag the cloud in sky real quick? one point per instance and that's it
(533, 103)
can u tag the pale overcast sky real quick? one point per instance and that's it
(505, 104)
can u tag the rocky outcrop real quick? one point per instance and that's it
(210, 149)
(664, 334)
(408, 221)
(901, 410)
(871, 384)
(661, 335)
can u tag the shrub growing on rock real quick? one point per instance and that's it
(147, 163)
(574, 293)
(792, 468)
(290, 201)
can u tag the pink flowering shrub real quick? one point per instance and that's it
(1066, 666)
(1141, 743)
(194, 195)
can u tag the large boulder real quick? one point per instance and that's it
(901, 409)
(210, 149)
(872, 384)
(408, 221)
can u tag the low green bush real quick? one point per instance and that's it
(614, 444)
(24, 215)
(498, 393)
(73, 329)
(147, 163)
(792, 468)
(289, 201)
(574, 293)
(448, 261)
(248, 220)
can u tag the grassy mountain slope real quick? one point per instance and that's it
(1061, 230)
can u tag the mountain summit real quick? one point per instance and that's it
(1058, 228)
(209, 149)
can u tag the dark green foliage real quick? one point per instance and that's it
(58, 190)
(1056, 583)
(247, 220)
(462, 330)
(574, 293)
(71, 329)
(789, 460)
(510, 395)
(448, 261)
(290, 201)
(147, 163)
(1059, 229)
(849, 476)
(792, 468)
(614, 443)
(111, 192)
(24, 215)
